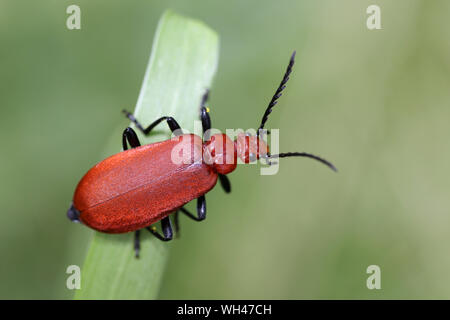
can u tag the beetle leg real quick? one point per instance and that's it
(137, 243)
(166, 228)
(171, 122)
(130, 135)
(176, 221)
(190, 215)
(225, 183)
(201, 210)
(204, 116)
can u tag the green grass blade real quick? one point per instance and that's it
(182, 64)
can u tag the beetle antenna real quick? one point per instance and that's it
(278, 93)
(303, 154)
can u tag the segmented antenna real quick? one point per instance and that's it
(304, 154)
(278, 93)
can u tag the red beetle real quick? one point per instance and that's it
(136, 188)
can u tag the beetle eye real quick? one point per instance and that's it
(73, 214)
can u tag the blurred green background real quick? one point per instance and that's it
(376, 103)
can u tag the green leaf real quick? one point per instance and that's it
(181, 67)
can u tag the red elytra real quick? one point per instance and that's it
(138, 187)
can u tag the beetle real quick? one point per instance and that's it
(136, 188)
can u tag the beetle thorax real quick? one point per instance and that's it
(220, 152)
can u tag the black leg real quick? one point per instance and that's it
(166, 228)
(137, 243)
(225, 183)
(176, 221)
(130, 135)
(201, 213)
(204, 116)
(171, 122)
(201, 210)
